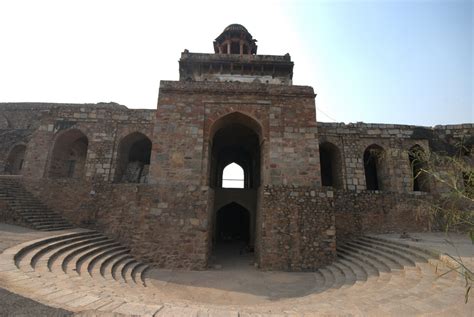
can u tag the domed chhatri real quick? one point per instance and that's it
(235, 39)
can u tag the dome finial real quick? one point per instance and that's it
(235, 39)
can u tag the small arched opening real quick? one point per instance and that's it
(133, 159)
(331, 165)
(69, 155)
(373, 159)
(418, 165)
(15, 159)
(233, 176)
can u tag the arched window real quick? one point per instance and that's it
(133, 159)
(373, 157)
(15, 160)
(233, 176)
(69, 155)
(331, 165)
(417, 158)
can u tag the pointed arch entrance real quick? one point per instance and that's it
(235, 139)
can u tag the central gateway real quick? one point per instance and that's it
(235, 106)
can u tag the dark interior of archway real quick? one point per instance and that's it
(370, 167)
(326, 160)
(240, 144)
(140, 151)
(235, 48)
(233, 225)
(417, 163)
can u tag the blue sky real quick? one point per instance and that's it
(408, 62)
(404, 61)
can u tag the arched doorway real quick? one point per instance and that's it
(373, 160)
(69, 155)
(133, 159)
(15, 160)
(233, 225)
(331, 165)
(234, 143)
(418, 164)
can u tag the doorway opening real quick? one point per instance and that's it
(235, 178)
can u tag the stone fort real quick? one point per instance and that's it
(153, 179)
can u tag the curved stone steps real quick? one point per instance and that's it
(68, 247)
(366, 257)
(414, 254)
(47, 252)
(74, 255)
(400, 256)
(95, 262)
(37, 244)
(137, 273)
(352, 279)
(88, 255)
(119, 268)
(388, 259)
(109, 261)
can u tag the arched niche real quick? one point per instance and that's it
(68, 159)
(331, 165)
(419, 165)
(133, 159)
(235, 138)
(374, 156)
(15, 159)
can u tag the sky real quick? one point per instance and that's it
(406, 62)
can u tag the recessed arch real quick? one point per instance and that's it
(69, 154)
(233, 224)
(331, 165)
(418, 166)
(133, 158)
(15, 159)
(235, 138)
(373, 161)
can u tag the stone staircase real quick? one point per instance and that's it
(85, 254)
(31, 210)
(83, 270)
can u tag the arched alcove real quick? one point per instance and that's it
(373, 162)
(233, 225)
(15, 159)
(133, 158)
(418, 165)
(235, 139)
(331, 165)
(68, 159)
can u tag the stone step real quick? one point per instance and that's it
(37, 244)
(138, 272)
(126, 272)
(73, 255)
(364, 257)
(401, 256)
(88, 256)
(106, 266)
(43, 253)
(390, 260)
(349, 276)
(63, 250)
(96, 261)
(425, 252)
(118, 265)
